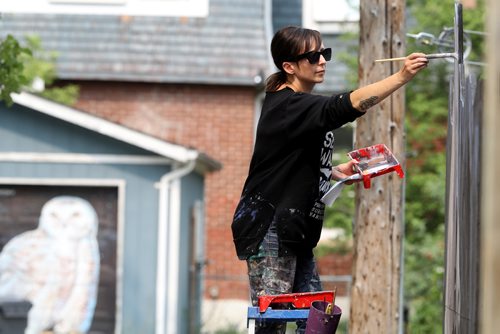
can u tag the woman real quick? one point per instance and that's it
(279, 217)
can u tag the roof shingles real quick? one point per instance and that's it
(228, 47)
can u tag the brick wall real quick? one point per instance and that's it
(213, 119)
(338, 265)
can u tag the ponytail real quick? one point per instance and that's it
(275, 80)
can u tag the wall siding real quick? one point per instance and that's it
(26, 130)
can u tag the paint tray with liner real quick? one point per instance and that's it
(371, 162)
(374, 161)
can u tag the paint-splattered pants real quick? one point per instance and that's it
(270, 275)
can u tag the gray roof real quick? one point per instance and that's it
(230, 46)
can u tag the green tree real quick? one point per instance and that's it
(41, 67)
(12, 78)
(25, 67)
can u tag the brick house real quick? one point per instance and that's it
(191, 81)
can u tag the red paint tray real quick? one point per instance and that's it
(373, 161)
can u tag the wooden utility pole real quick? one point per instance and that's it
(490, 213)
(376, 290)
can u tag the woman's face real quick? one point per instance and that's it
(310, 69)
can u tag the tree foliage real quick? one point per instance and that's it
(31, 68)
(41, 66)
(12, 78)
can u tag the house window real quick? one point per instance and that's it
(179, 8)
(331, 17)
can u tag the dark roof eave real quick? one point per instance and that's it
(250, 82)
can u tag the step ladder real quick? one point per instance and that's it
(298, 307)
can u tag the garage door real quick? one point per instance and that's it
(20, 208)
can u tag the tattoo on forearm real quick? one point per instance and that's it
(368, 103)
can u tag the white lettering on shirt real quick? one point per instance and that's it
(325, 174)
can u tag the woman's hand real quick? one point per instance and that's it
(413, 64)
(344, 170)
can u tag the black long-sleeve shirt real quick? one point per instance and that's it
(290, 170)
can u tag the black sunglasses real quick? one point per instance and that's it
(313, 56)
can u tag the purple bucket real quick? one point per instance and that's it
(318, 322)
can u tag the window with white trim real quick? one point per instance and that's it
(330, 16)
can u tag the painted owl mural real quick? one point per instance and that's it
(55, 267)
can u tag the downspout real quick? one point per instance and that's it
(268, 21)
(261, 91)
(167, 277)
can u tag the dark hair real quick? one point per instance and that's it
(288, 43)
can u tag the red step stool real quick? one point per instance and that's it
(300, 301)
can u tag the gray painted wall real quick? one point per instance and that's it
(27, 130)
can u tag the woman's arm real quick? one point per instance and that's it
(368, 96)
